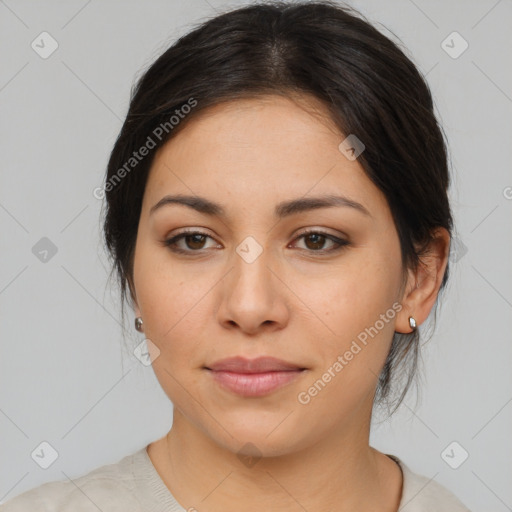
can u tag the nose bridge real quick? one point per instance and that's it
(250, 297)
(251, 274)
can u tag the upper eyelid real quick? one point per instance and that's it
(336, 239)
(305, 231)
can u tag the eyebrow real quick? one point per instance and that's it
(282, 210)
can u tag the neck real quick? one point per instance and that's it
(341, 472)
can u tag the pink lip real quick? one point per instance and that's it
(254, 377)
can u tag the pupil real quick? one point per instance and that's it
(317, 239)
(197, 239)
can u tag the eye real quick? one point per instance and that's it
(316, 240)
(194, 241)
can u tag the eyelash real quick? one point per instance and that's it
(341, 244)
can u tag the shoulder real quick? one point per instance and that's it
(422, 494)
(110, 487)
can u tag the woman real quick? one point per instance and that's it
(277, 215)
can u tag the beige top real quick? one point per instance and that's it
(134, 485)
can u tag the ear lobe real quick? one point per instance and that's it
(423, 284)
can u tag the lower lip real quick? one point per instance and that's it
(254, 384)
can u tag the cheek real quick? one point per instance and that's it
(357, 307)
(352, 296)
(169, 300)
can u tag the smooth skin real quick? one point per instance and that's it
(301, 300)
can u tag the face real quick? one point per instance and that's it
(318, 287)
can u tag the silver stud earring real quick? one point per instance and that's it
(412, 323)
(139, 323)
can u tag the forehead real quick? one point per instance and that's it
(252, 129)
(259, 150)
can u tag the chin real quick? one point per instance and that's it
(260, 439)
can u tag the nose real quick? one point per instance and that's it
(253, 297)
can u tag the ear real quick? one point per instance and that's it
(423, 284)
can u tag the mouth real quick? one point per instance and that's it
(254, 377)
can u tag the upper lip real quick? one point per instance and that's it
(258, 365)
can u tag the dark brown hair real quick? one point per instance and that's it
(319, 48)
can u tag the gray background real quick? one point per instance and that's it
(69, 378)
